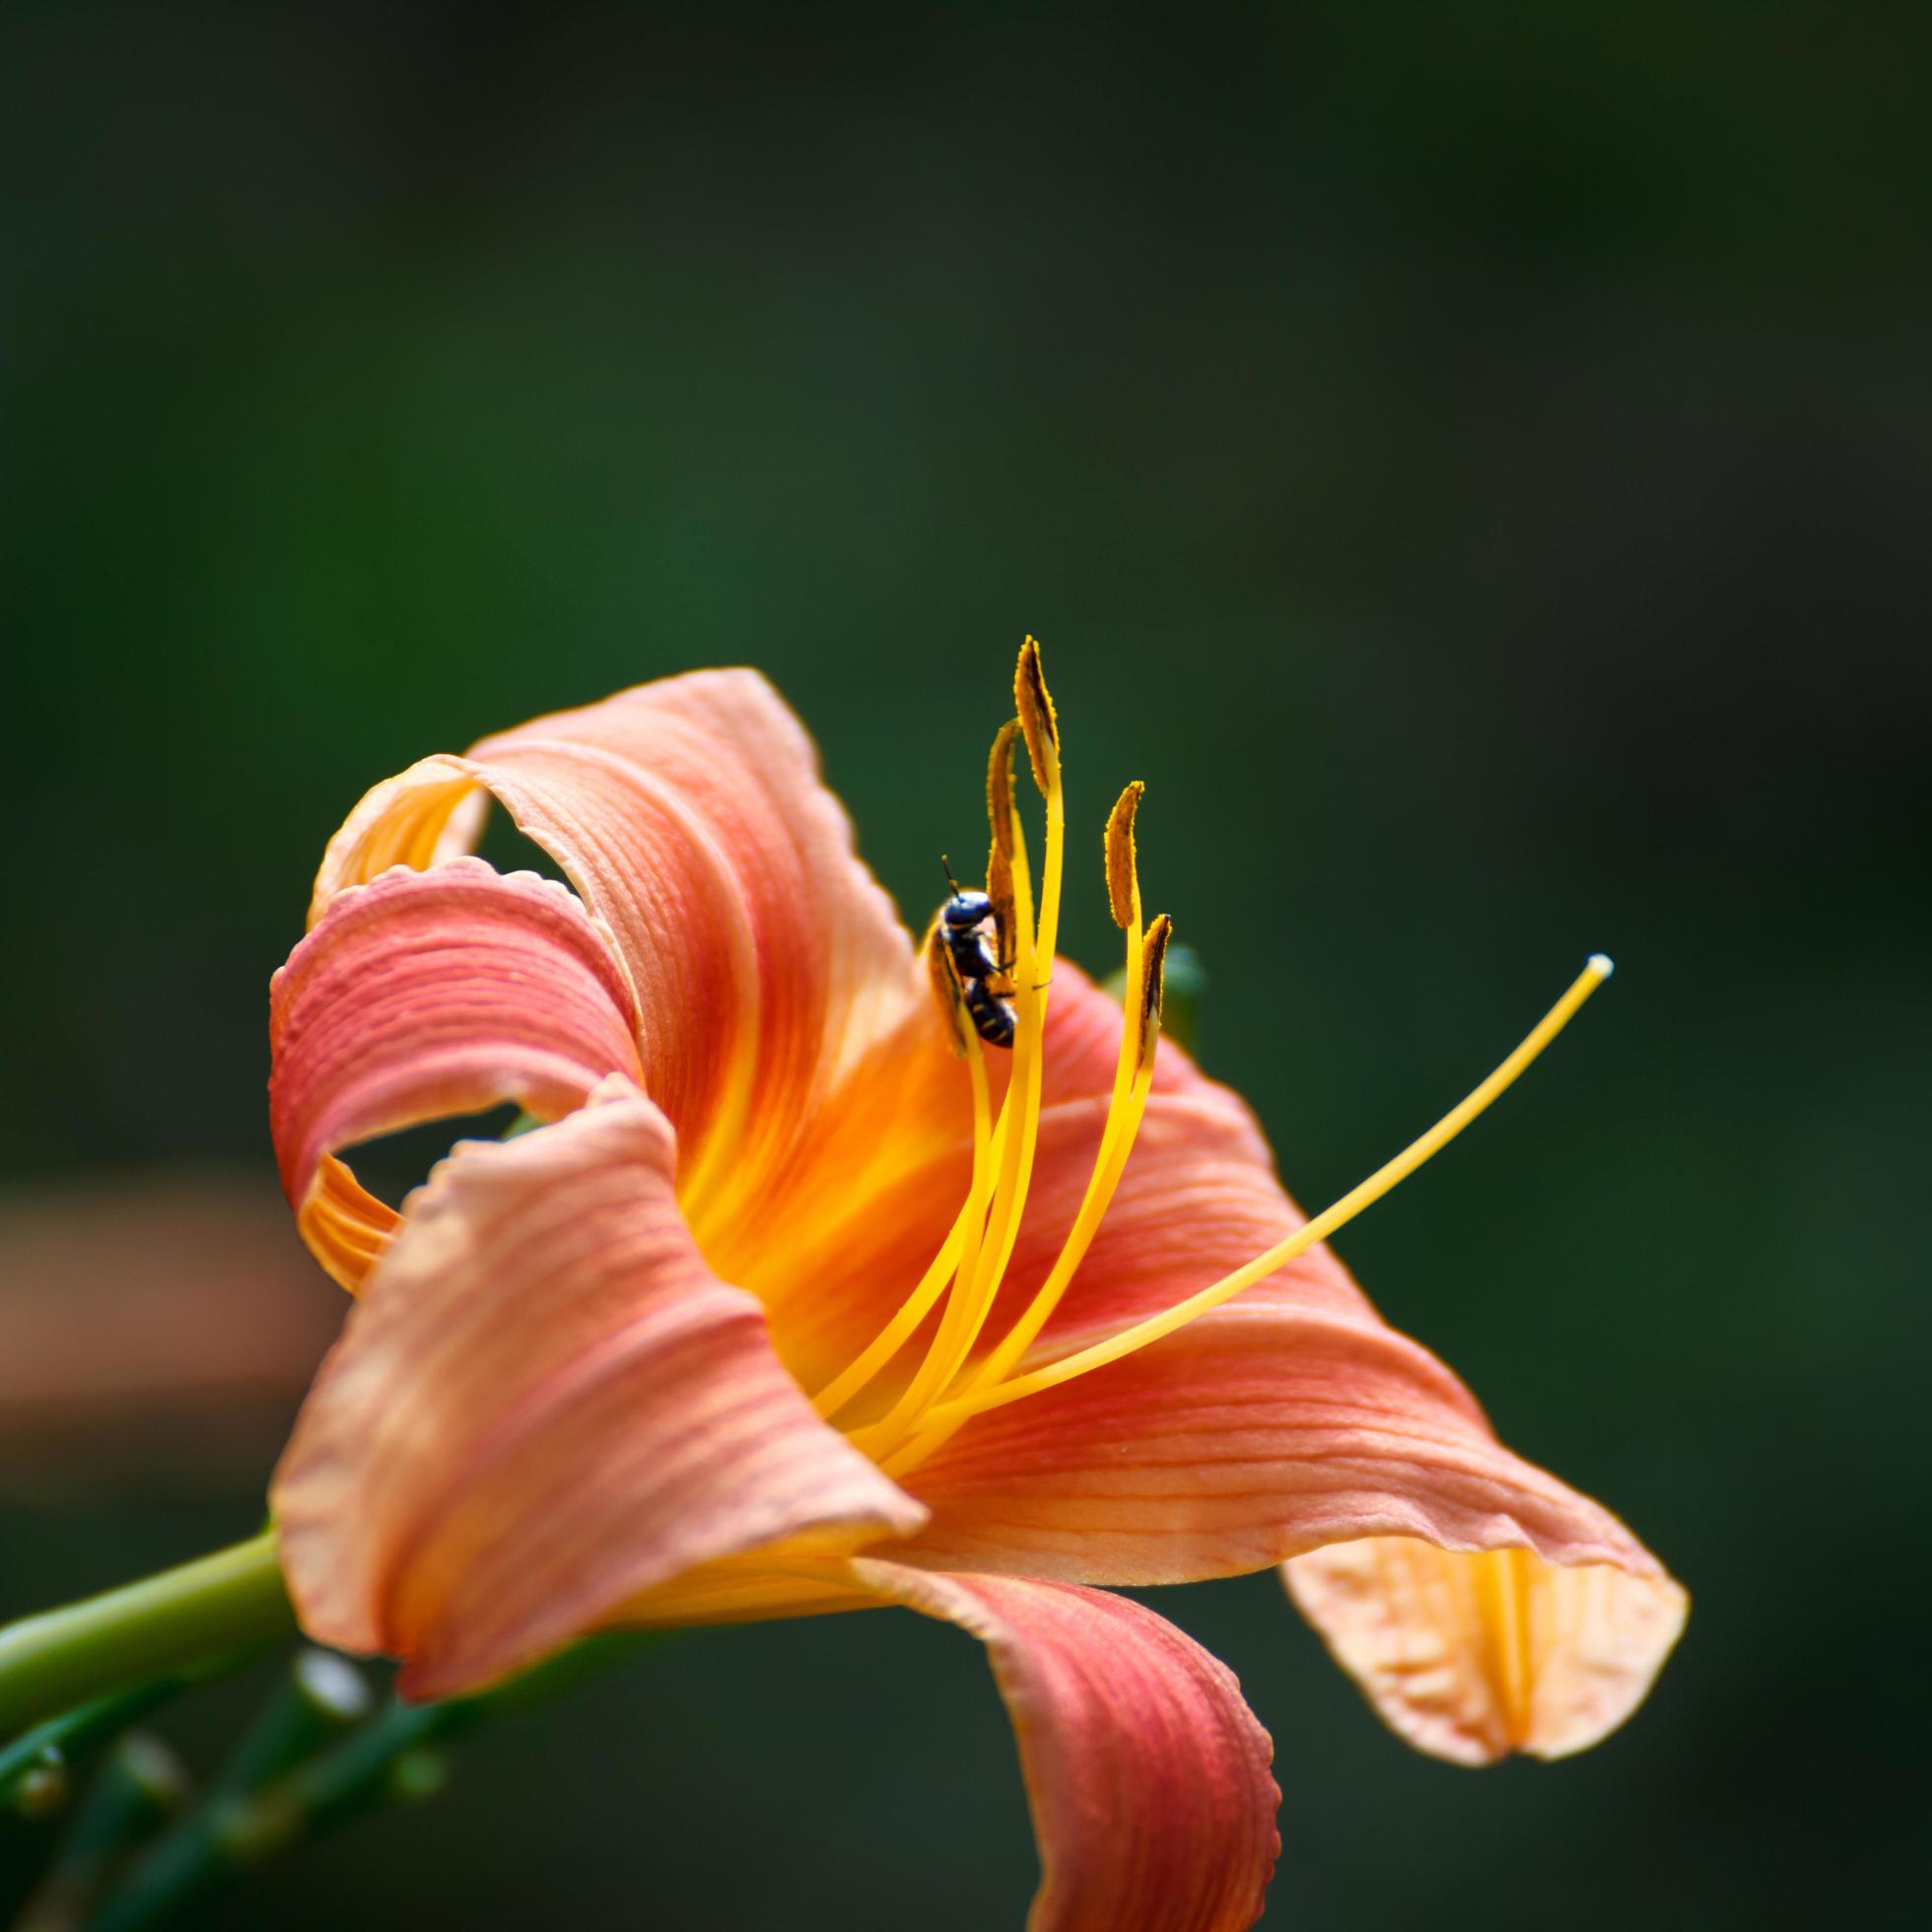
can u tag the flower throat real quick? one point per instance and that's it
(956, 1379)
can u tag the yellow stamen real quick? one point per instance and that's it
(1002, 819)
(1037, 719)
(1033, 957)
(1141, 1031)
(947, 1263)
(1133, 1073)
(1124, 901)
(1153, 989)
(1123, 865)
(948, 1415)
(983, 1262)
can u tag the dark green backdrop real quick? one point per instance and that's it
(1473, 462)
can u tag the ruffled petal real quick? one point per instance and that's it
(544, 1406)
(1471, 1656)
(1147, 1776)
(690, 815)
(423, 996)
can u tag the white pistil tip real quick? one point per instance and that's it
(1600, 964)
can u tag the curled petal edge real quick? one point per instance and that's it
(426, 994)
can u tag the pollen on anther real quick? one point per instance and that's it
(945, 988)
(1000, 790)
(1152, 984)
(1121, 857)
(1037, 719)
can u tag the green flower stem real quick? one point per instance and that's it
(394, 1757)
(231, 1602)
(139, 1786)
(35, 1769)
(321, 1695)
(315, 1702)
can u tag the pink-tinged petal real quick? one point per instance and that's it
(1147, 1776)
(1257, 1434)
(424, 995)
(546, 1404)
(690, 815)
(1471, 1656)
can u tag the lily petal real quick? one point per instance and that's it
(1471, 1656)
(423, 996)
(545, 1405)
(690, 807)
(1147, 1776)
(1257, 1434)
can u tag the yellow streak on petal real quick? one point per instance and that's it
(1471, 1655)
(1499, 1588)
(1370, 1191)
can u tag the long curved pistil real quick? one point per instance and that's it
(945, 1418)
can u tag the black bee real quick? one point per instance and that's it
(963, 918)
(991, 1013)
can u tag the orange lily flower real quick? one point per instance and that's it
(804, 1299)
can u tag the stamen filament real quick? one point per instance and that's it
(1033, 968)
(961, 1317)
(945, 1418)
(1029, 1066)
(944, 1264)
(1124, 901)
(1116, 1143)
(1134, 1080)
(984, 1260)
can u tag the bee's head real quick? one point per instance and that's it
(966, 910)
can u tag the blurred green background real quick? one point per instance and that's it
(1473, 462)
